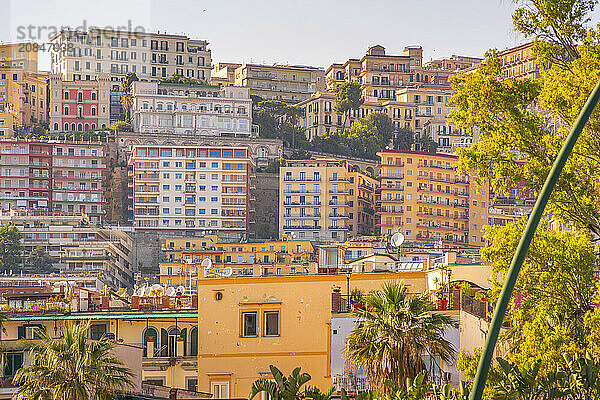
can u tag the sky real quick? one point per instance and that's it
(301, 32)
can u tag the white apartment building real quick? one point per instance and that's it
(204, 110)
(79, 55)
(193, 190)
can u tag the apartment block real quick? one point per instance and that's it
(53, 176)
(453, 63)
(288, 83)
(79, 106)
(324, 200)
(422, 110)
(423, 197)
(19, 56)
(76, 244)
(23, 100)
(519, 62)
(223, 74)
(193, 190)
(82, 55)
(203, 110)
(10, 107)
(185, 255)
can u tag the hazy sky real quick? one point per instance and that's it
(309, 32)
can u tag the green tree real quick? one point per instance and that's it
(425, 143)
(73, 367)
(404, 139)
(394, 330)
(523, 123)
(127, 98)
(363, 139)
(183, 80)
(385, 128)
(554, 292)
(348, 98)
(10, 247)
(39, 262)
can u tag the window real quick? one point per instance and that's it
(97, 331)
(271, 322)
(219, 390)
(14, 361)
(191, 384)
(249, 326)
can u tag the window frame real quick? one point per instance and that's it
(264, 323)
(243, 324)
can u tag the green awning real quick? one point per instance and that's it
(103, 315)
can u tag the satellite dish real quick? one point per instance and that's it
(180, 289)
(171, 291)
(397, 239)
(189, 261)
(206, 263)
(227, 271)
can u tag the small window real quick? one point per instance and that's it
(271, 320)
(249, 326)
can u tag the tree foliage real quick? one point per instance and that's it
(39, 262)
(10, 248)
(127, 97)
(394, 330)
(72, 367)
(348, 97)
(183, 80)
(288, 388)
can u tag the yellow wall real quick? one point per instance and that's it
(130, 332)
(304, 303)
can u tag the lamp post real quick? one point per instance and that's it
(348, 291)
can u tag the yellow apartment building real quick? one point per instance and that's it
(185, 255)
(324, 200)
(27, 105)
(19, 55)
(10, 107)
(424, 198)
(286, 83)
(168, 339)
(223, 74)
(248, 323)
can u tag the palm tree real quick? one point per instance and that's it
(286, 388)
(72, 368)
(394, 331)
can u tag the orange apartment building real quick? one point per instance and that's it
(422, 196)
(519, 62)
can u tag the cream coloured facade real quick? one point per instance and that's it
(79, 55)
(423, 198)
(286, 83)
(196, 190)
(325, 200)
(192, 110)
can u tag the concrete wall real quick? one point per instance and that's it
(266, 201)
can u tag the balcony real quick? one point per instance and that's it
(301, 227)
(340, 204)
(340, 216)
(401, 176)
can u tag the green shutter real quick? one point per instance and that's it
(194, 341)
(183, 335)
(164, 342)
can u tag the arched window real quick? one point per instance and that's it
(66, 127)
(87, 127)
(73, 127)
(56, 126)
(169, 339)
(418, 78)
(150, 334)
(66, 110)
(426, 78)
(193, 351)
(93, 95)
(93, 126)
(79, 127)
(79, 97)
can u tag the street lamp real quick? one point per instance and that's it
(348, 291)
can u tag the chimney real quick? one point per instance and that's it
(135, 302)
